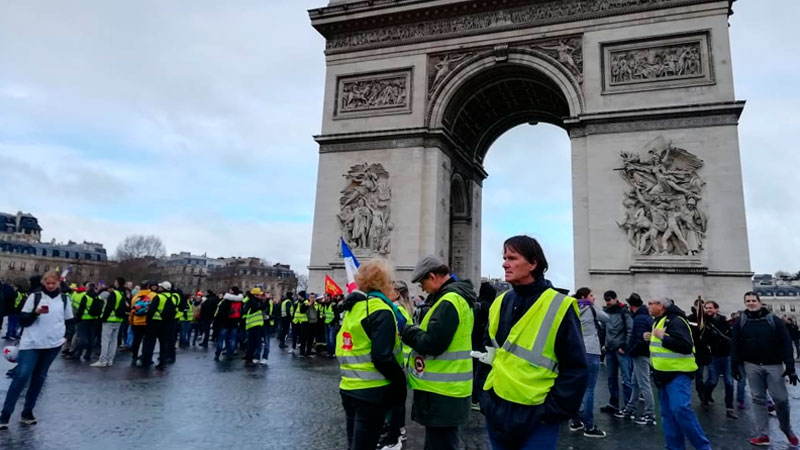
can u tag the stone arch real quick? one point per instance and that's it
(460, 251)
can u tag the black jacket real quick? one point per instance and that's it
(431, 409)
(122, 310)
(677, 338)
(208, 308)
(642, 323)
(381, 328)
(716, 336)
(168, 313)
(760, 342)
(564, 399)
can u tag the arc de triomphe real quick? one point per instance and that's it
(417, 91)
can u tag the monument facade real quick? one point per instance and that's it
(418, 90)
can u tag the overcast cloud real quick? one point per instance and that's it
(193, 121)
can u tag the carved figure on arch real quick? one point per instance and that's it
(565, 49)
(365, 215)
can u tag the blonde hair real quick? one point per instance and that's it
(51, 274)
(402, 290)
(375, 275)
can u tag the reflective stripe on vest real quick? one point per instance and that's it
(664, 359)
(117, 298)
(450, 373)
(285, 308)
(298, 316)
(525, 366)
(254, 319)
(354, 347)
(162, 298)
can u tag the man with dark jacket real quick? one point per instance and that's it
(440, 371)
(207, 310)
(486, 296)
(618, 328)
(671, 353)
(702, 354)
(227, 318)
(638, 350)
(762, 344)
(86, 328)
(717, 338)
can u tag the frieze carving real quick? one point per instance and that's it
(657, 63)
(365, 213)
(439, 66)
(387, 93)
(540, 13)
(662, 205)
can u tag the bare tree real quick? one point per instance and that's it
(302, 282)
(140, 246)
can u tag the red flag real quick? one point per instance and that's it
(331, 287)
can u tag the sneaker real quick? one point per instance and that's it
(575, 425)
(760, 441)
(98, 364)
(263, 361)
(216, 357)
(389, 445)
(109, 364)
(594, 432)
(630, 415)
(646, 419)
(619, 414)
(403, 434)
(731, 414)
(475, 407)
(255, 361)
(4, 421)
(608, 409)
(771, 410)
(793, 440)
(27, 418)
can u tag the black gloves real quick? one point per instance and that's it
(792, 377)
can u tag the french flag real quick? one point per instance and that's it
(350, 266)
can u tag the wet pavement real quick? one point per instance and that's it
(291, 404)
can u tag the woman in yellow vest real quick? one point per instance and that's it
(367, 347)
(535, 346)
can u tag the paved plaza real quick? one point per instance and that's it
(292, 404)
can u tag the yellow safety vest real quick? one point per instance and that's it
(405, 348)
(329, 316)
(286, 309)
(89, 302)
(664, 359)
(298, 316)
(450, 373)
(117, 298)
(162, 298)
(254, 318)
(76, 300)
(354, 347)
(525, 367)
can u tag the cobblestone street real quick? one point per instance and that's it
(292, 404)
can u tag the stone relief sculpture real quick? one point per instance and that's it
(365, 216)
(647, 64)
(661, 207)
(544, 12)
(440, 66)
(568, 52)
(373, 93)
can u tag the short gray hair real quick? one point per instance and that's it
(666, 301)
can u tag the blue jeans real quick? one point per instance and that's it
(622, 363)
(541, 437)
(587, 407)
(741, 384)
(185, 330)
(330, 338)
(227, 335)
(677, 416)
(31, 364)
(264, 349)
(13, 324)
(720, 365)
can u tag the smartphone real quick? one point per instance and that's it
(45, 309)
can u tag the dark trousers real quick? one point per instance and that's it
(306, 338)
(123, 333)
(86, 337)
(205, 328)
(284, 331)
(397, 420)
(254, 336)
(171, 335)
(156, 329)
(138, 336)
(441, 438)
(364, 423)
(295, 334)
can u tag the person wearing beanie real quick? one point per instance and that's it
(619, 327)
(638, 349)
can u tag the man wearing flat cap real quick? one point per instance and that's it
(440, 366)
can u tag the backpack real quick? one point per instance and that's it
(235, 312)
(96, 308)
(141, 305)
(37, 297)
(743, 320)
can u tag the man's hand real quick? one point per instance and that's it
(621, 351)
(792, 377)
(646, 335)
(659, 333)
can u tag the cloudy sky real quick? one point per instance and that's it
(193, 120)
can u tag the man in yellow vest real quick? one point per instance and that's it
(535, 346)
(114, 313)
(672, 356)
(440, 367)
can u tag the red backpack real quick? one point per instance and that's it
(236, 310)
